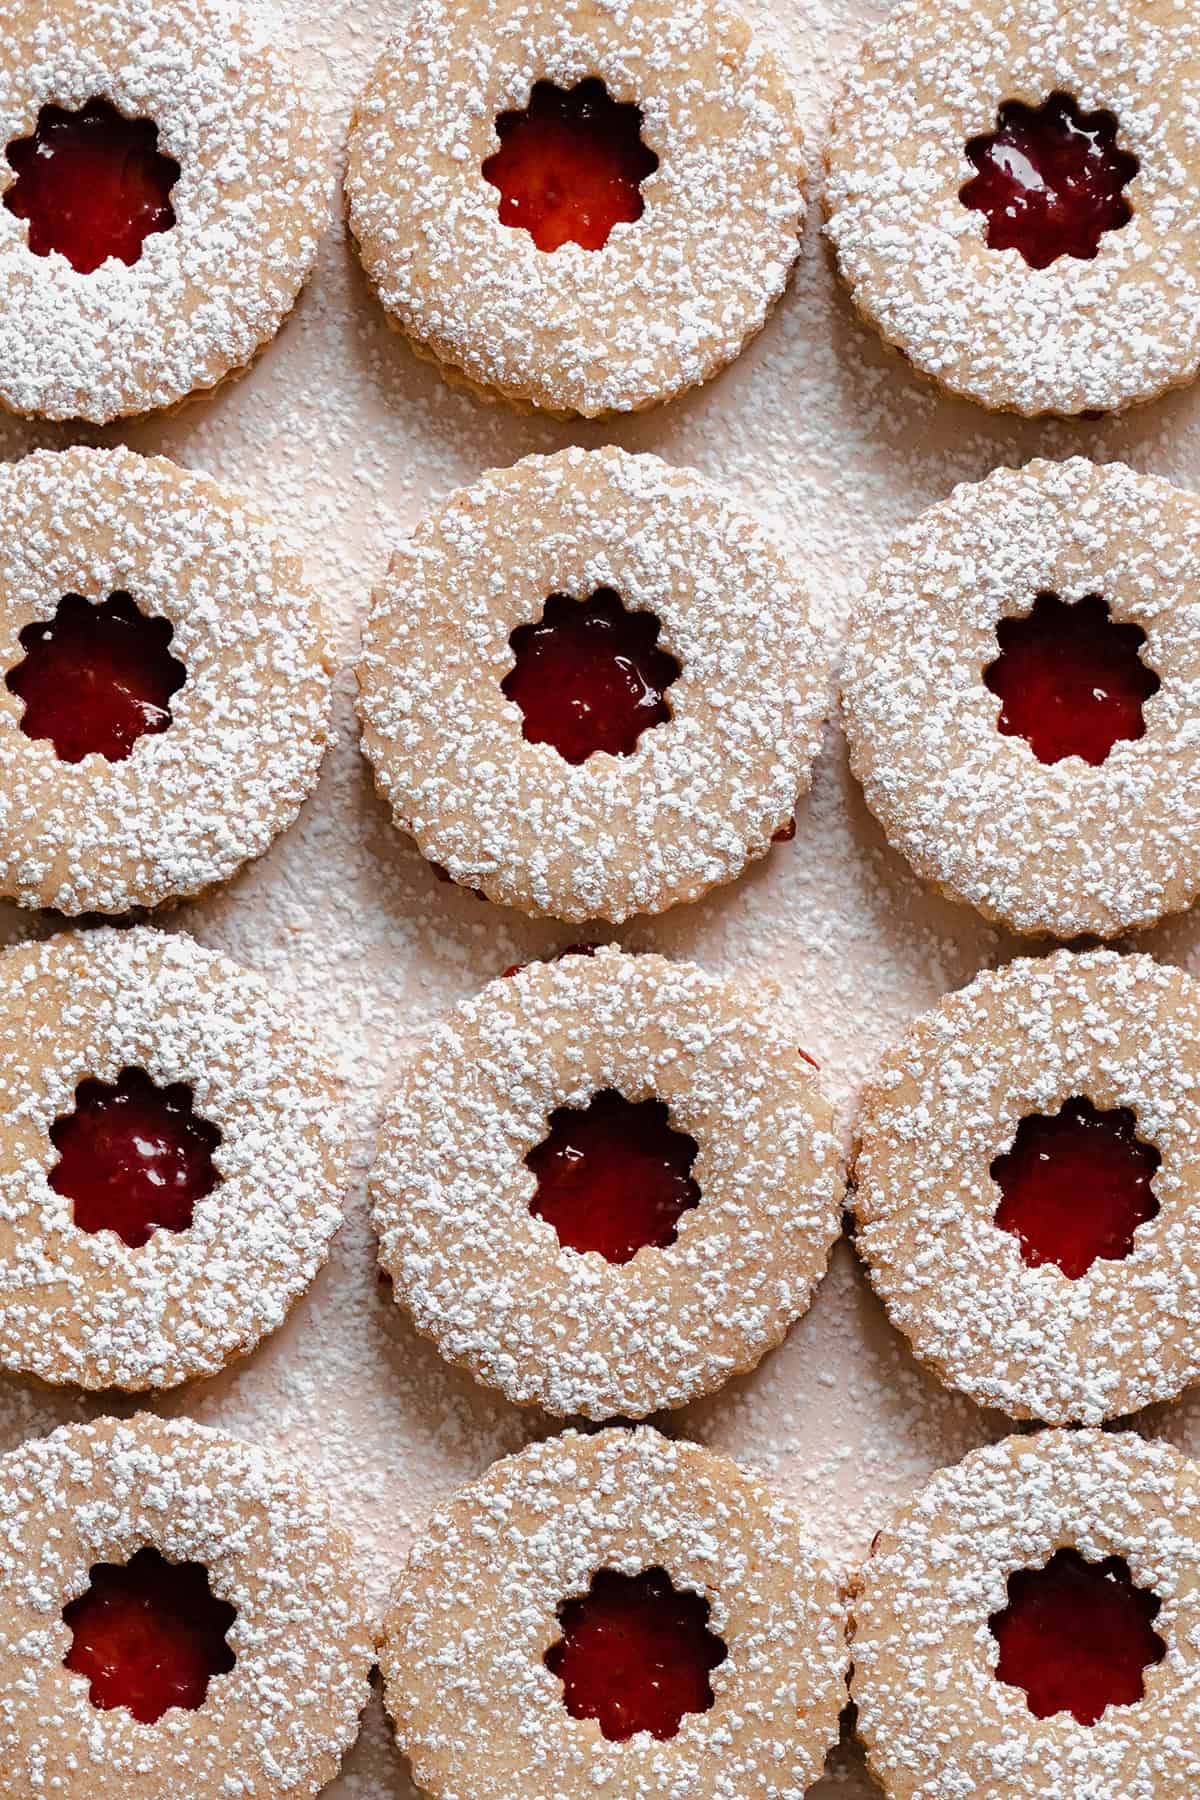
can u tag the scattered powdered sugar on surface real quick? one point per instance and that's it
(1080, 333)
(344, 439)
(940, 1725)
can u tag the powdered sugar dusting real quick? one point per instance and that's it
(250, 204)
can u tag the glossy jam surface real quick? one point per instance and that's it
(1050, 180)
(1070, 680)
(96, 677)
(1075, 1186)
(149, 1635)
(613, 1176)
(589, 676)
(133, 1158)
(1077, 1636)
(570, 166)
(91, 184)
(635, 1654)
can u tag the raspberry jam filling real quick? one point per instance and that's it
(635, 1654)
(589, 676)
(1077, 1636)
(149, 1635)
(571, 166)
(91, 184)
(1070, 681)
(96, 677)
(133, 1158)
(613, 1176)
(1075, 1186)
(1051, 180)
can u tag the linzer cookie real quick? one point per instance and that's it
(585, 208)
(1029, 1625)
(164, 186)
(591, 686)
(1014, 198)
(615, 1614)
(1028, 1186)
(166, 682)
(607, 1184)
(172, 1162)
(1019, 697)
(178, 1616)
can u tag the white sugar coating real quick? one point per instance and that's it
(938, 1722)
(672, 296)
(1062, 848)
(250, 204)
(494, 1286)
(248, 727)
(83, 1306)
(1080, 334)
(1121, 1032)
(477, 1609)
(700, 796)
(275, 1726)
(345, 441)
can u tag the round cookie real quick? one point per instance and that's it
(247, 205)
(483, 1250)
(84, 1503)
(510, 1567)
(102, 1283)
(1109, 321)
(1019, 697)
(1027, 1182)
(676, 290)
(712, 774)
(1036, 1537)
(205, 781)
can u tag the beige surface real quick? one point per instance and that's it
(346, 436)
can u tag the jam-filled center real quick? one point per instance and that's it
(149, 1635)
(635, 1654)
(613, 1176)
(133, 1158)
(588, 676)
(96, 677)
(1070, 679)
(91, 184)
(1077, 1636)
(1050, 180)
(571, 166)
(1076, 1185)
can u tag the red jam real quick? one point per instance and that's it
(571, 166)
(635, 1654)
(133, 1158)
(1070, 681)
(1075, 1186)
(1077, 1636)
(96, 678)
(91, 184)
(613, 1176)
(570, 950)
(589, 676)
(1051, 180)
(149, 1635)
